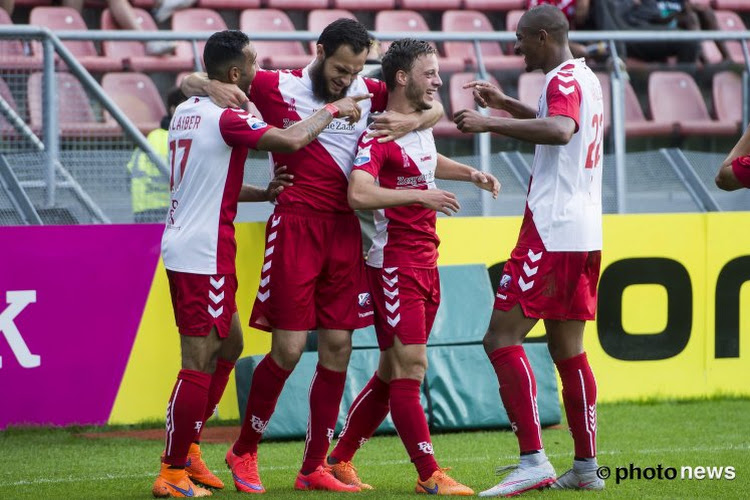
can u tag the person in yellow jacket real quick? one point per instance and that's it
(149, 187)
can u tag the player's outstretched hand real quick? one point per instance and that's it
(281, 179)
(440, 201)
(486, 94)
(392, 125)
(227, 95)
(349, 108)
(470, 121)
(486, 181)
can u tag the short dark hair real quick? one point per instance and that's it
(401, 56)
(344, 31)
(223, 48)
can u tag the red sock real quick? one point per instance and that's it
(326, 389)
(219, 381)
(579, 397)
(367, 412)
(411, 424)
(518, 392)
(268, 381)
(185, 414)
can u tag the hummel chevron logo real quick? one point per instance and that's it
(275, 220)
(525, 286)
(501, 296)
(530, 271)
(395, 320)
(267, 266)
(217, 284)
(392, 307)
(390, 270)
(215, 298)
(592, 416)
(269, 251)
(188, 492)
(566, 90)
(272, 236)
(215, 312)
(390, 294)
(391, 282)
(565, 78)
(265, 281)
(264, 296)
(533, 257)
(17, 302)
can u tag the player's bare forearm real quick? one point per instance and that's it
(250, 193)
(742, 148)
(451, 170)
(195, 84)
(429, 117)
(366, 195)
(518, 109)
(555, 130)
(297, 136)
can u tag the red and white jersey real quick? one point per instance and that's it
(321, 169)
(565, 190)
(405, 236)
(208, 146)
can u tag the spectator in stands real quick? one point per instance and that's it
(165, 8)
(125, 17)
(148, 186)
(553, 271)
(8, 5)
(734, 173)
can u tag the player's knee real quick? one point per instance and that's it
(199, 362)
(286, 356)
(413, 368)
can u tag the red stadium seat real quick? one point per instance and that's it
(464, 99)
(297, 4)
(492, 54)
(442, 5)
(512, 18)
(13, 53)
(445, 127)
(134, 53)
(5, 127)
(636, 124)
(675, 99)
(408, 21)
(143, 4)
(75, 115)
(731, 21)
(375, 5)
(530, 87)
(195, 20)
(137, 96)
(274, 55)
(228, 4)
(318, 19)
(502, 5)
(727, 96)
(66, 18)
(735, 5)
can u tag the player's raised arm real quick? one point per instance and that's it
(554, 130)
(736, 162)
(487, 95)
(224, 95)
(365, 194)
(452, 170)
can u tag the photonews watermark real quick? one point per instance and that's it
(662, 472)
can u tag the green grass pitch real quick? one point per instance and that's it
(58, 463)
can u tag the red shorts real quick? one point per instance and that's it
(313, 274)
(550, 285)
(201, 302)
(406, 300)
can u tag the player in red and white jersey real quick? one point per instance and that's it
(553, 271)
(313, 275)
(734, 173)
(208, 146)
(397, 180)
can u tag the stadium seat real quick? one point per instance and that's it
(512, 18)
(492, 54)
(727, 96)
(5, 127)
(442, 5)
(228, 4)
(137, 96)
(143, 4)
(75, 114)
(274, 55)
(195, 20)
(318, 19)
(13, 53)
(133, 54)
(735, 5)
(374, 5)
(675, 99)
(66, 18)
(636, 124)
(501, 5)
(408, 21)
(731, 21)
(464, 99)
(296, 4)
(445, 127)
(530, 87)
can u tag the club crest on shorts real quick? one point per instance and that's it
(364, 300)
(505, 281)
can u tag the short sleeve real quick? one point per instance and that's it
(263, 83)
(240, 128)
(379, 94)
(371, 155)
(741, 169)
(564, 97)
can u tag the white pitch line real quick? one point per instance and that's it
(387, 463)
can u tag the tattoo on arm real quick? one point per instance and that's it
(315, 124)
